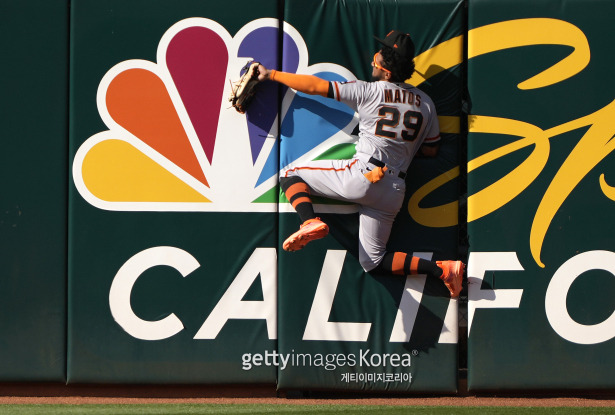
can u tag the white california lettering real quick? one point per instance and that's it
(409, 304)
(555, 299)
(231, 306)
(478, 263)
(409, 307)
(318, 326)
(450, 328)
(121, 289)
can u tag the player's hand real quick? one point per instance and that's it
(263, 73)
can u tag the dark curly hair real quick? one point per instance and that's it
(401, 68)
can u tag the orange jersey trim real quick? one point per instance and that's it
(337, 91)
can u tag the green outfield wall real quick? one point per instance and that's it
(540, 195)
(33, 200)
(142, 220)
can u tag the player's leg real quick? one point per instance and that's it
(333, 179)
(374, 232)
(298, 194)
(337, 179)
(401, 263)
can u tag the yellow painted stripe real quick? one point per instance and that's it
(449, 124)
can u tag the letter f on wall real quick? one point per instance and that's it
(478, 264)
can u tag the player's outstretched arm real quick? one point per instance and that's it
(308, 84)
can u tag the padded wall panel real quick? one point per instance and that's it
(172, 241)
(540, 195)
(33, 173)
(341, 328)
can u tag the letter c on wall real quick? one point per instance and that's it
(121, 288)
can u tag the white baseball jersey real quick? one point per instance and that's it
(395, 120)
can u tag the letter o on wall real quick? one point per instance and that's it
(555, 300)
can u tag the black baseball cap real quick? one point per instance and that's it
(400, 42)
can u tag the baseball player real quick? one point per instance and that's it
(396, 121)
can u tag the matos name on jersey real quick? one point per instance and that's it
(401, 96)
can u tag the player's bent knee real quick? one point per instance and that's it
(368, 264)
(286, 182)
(287, 174)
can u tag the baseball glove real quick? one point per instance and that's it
(242, 91)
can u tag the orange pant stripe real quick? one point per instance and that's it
(295, 189)
(399, 259)
(414, 264)
(300, 200)
(320, 168)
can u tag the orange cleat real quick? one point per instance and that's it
(310, 230)
(452, 275)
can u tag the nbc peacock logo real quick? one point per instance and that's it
(174, 144)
